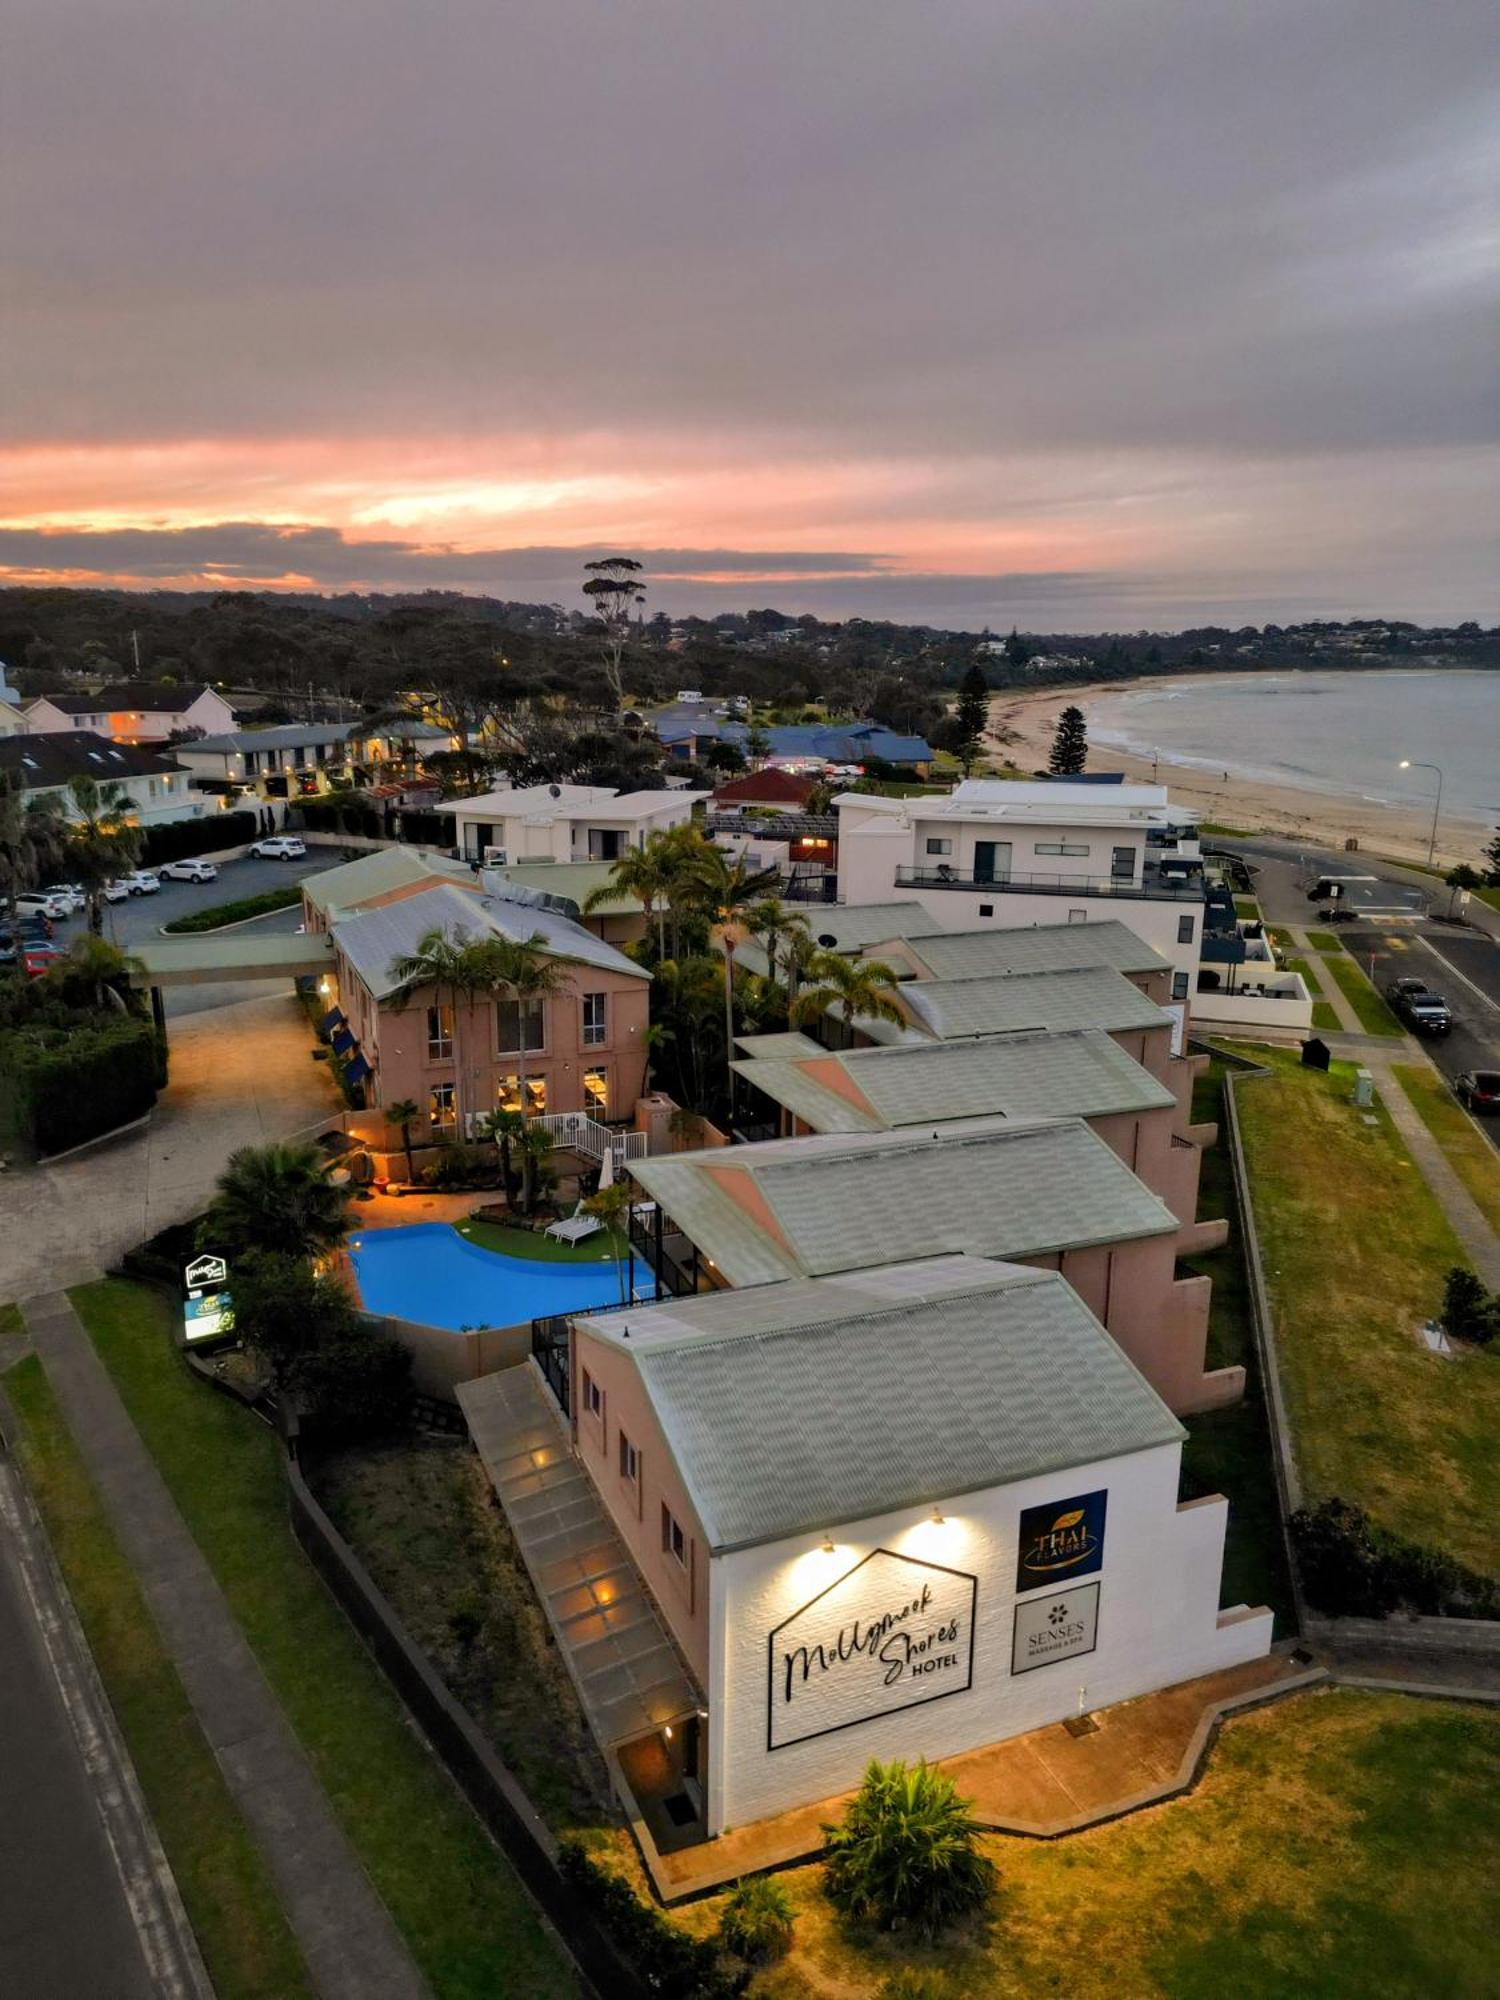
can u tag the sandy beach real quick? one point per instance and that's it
(1020, 732)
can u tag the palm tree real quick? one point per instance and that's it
(506, 1129)
(535, 1147)
(906, 1854)
(276, 1199)
(612, 1207)
(685, 1004)
(643, 872)
(725, 889)
(855, 986)
(401, 1114)
(31, 841)
(770, 921)
(101, 839)
(531, 974)
(452, 965)
(97, 966)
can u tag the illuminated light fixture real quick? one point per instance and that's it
(667, 1731)
(937, 1516)
(827, 1545)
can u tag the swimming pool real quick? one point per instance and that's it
(427, 1272)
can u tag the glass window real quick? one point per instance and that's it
(1184, 930)
(1063, 847)
(439, 1033)
(440, 1108)
(593, 1397)
(630, 1460)
(936, 846)
(508, 1094)
(510, 1024)
(596, 1092)
(1122, 864)
(595, 1019)
(674, 1542)
(1179, 986)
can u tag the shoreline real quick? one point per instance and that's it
(1020, 731)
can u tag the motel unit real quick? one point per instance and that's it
(1044, 1192)
(903, 1512)
(564, 823)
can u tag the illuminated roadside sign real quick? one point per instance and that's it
(891, 1633)
(207, 1313)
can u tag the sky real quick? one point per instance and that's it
(1077, 314)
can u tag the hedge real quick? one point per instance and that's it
(1350, 1568)
(176, 839)
(343, 812)
(62, 1086)
(218, 915)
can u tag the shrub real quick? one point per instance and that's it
(1350, 1568)
(217, 915)
(1469, 1312)
(906, 1855)
(63, 1084)
(176, 839)
(355, 1384)
(342, 812)
(463, 1167)
(756, 1924)
(668, 1961)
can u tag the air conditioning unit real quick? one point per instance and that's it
(496, 857)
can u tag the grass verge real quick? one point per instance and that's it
(1323, 1017)
(1356, 1248)
(1325, 941)
(226, 1887)
(1468, 1152)
(463, 1914)
(1247, 907)
(538, 1248)
(1229, 1451)
(1317, 1855)
(1370, 1010)
(219, 915)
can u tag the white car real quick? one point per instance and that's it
(191, 870)
(142, 883)
(70, 893)
(280, 847)
(117, 890)
(38, 903)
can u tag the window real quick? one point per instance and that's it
(596, 1092)
(1078, 916)
(935, 846)
(986, 909)
(441, 1112)
(508, 1094)
(1063, 847)
(1179, 986)
(673, 1540)
(605, 844)
(511, 1024)
(630, 1462)
(595, 1020)
(1122, 864)
(439, 1033)
(593, 1397)
(1184, 930)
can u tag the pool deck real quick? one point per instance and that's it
(390, 1211)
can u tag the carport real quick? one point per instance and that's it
(208, 960)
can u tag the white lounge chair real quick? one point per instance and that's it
(573, 1228)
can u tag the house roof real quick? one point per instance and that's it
(354, 883)
(980, 799)
(782, 1047)
(374, 940)
(575, 881)
(799, 1407)
(1086, 996)
(831, 742)
(849, 927)
(570, 802)
(52, 757)
(1079, 1072)
(1034, 948)
(767, 787)
(147, 697)
(284, 736)
(813, 1206)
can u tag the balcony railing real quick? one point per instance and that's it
(1151, 890)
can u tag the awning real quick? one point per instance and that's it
(343, 1040)
(358, 1069)
(333, 1018)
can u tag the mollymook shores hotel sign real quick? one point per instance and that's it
(891, 1633)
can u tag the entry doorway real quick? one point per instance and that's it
(992, 860)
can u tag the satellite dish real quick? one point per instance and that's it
(555, 791)
(827, 940)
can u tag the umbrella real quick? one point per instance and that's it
(607, 1168)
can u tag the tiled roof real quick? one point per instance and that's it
(145, 697)
(373, 941)
(799, 1407)
(812, 1206)
(54, 756)
(1077, 1072)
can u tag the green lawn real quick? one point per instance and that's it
(1323, 1017)
(1356, 1249)
(465, 1917)
(1325, 941)
(1469, 1153)
(1247, 907)
(226, 1886)
(1371, 1011)
(1340, 1845)
(1229, 1451)
(508, 1241)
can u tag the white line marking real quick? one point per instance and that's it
(1478, 991)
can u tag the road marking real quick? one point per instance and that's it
(1463, 977)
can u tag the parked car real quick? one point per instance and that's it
(37, 954)
(1424, 1012)
(117, 890)
(1336, 916)
(142, 883)
(37, 903)
(70, 893)
(1479, 1089)
(280, 847)
(191, 870)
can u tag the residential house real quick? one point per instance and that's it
(298, 759)
(156, 786)
(687, 729)
(1049, 1193)
(135, 711)
(564, 822)
(949, 1453)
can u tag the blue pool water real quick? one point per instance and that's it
(429, 1273)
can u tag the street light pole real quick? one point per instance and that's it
(1415, 764)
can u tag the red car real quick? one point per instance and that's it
(1479, 1089)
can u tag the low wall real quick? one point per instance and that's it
(490, 1787)
(442, 1358)
(1292, 1012)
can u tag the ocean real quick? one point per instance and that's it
(1332, 733)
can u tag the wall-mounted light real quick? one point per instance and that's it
(937, 1517)
(827, 1545)
(667, 1731)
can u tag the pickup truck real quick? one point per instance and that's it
(1424, 1012)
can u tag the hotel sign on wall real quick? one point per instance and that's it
(1059, 1543)
(891, 1633)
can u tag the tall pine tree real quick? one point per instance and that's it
(1070, 745)
(972, 714)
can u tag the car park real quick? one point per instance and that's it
(142, 883)
(1478, 1090)
(280, 847)
(190, 870)
(1423, 1011)
(70, 893)
(116, 890)
(37, 903)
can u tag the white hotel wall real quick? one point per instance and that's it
(1158, 1623)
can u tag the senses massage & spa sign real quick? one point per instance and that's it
(890, 1633)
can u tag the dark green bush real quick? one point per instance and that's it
(756, 1924)
(463, 1167)
(906, 1854)
(61, 1085)
(217, 915)
(342, 812)
(1469, 1311)
(671, 1963)
(1350, 1568)
(176, 839)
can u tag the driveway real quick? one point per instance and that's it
(240, 1075)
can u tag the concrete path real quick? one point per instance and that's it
(352, 1947)
(239, 1076)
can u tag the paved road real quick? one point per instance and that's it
(65, 1926)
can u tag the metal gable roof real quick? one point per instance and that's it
(374, 940)
(1093, 996)
(1036, 948)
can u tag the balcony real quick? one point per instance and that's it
(1153, 889)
